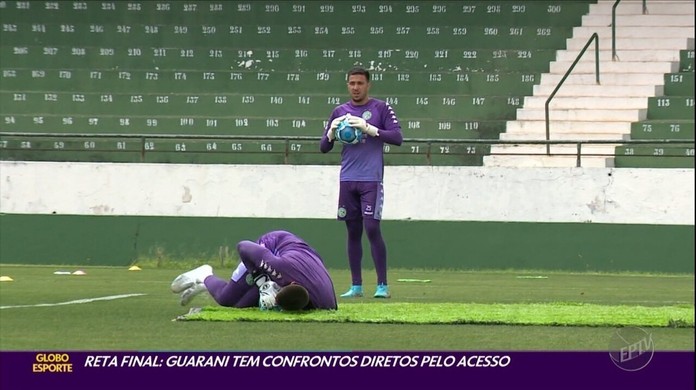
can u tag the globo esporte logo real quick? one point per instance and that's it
(52, 362)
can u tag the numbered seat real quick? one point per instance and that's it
(443, 153)
(450, 70)
(308, 153)
(686, 60)
(663, 129)
(275, 59)
(655, 156)
(59, 148)
(671, 107)
(452, 129)
(471, 107)
(302, 12)
(215, 151)
(473, 83)
(679, 84)
(669, 117)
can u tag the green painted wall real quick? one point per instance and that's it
(109, 240)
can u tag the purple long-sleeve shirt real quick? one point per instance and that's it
(365, 161)
(286, 258)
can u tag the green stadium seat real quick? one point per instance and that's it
(663, 129)
(655, 156)
(452, 129)
(669, 117)
(254, 105)
(653, 162)
(70, 149)
(451, 70)
(557, 12)
(258, 82)
(686, 60)
(671, 107)
(454, 107)
(458, 154)
(679, 84)
(110, 37)
(308, 153)
(412, 128)
(194, 151)
(409, 153)
(279, 59)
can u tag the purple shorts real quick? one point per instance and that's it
(360, 199)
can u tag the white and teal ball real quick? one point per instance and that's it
(347, 134)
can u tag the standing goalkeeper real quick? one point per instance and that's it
(279, 271)
(361, 192)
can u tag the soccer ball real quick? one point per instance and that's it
(346, 134)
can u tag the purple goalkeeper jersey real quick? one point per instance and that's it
(365, 161)
(290, 260)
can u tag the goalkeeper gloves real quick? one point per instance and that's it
(267, 292)
(334, 126)
(360, 123)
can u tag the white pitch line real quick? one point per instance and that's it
(86, 300)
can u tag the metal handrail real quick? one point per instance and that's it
(315, 138)
(613, 29)
(594, 37)
(430, 143)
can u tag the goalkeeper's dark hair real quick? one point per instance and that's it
(359, 70)
(292, 297)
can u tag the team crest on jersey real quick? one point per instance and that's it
(366, 115)
(342, 212)
(249, 280)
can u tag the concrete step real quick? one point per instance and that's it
(536, 136)
(600, 90)
(565, 149)
(606, 78)
(546, 161)
(614, 67)
(580, 115)
(622, 55)
(566, 129)
(605, 42)
(673, 20)
(654, 7)
(598, 102)
(584, 32)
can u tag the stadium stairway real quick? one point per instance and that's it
(647, 46)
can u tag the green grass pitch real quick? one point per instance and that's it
(551, 314)
(34, 313)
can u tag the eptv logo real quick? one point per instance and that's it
(631, 349)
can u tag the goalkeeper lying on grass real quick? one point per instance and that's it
(277, 272)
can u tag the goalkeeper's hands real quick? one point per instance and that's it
(267, 296)
(268, 290)
(360, 123)
(334, 126)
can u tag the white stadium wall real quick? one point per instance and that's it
(598, 195)
(581, 219)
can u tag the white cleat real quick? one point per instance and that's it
(191, 293)
(190, 278)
